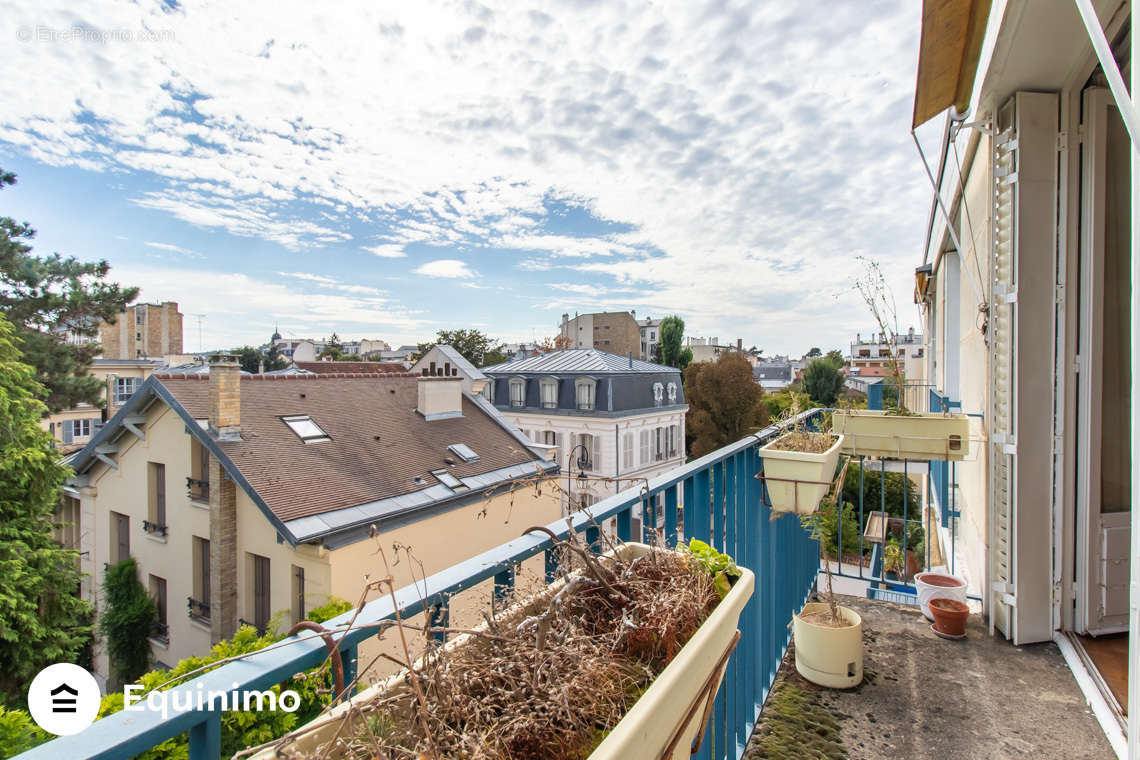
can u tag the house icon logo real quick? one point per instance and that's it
(64, 699)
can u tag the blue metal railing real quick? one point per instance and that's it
(914, 394)
(716, 498)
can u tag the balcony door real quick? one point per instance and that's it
(1103, 379)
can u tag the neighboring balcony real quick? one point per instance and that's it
(198, 490)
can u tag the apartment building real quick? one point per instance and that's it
(871, 354)
(143, 330)
(613, 419)
(614, 332)
(250, 498)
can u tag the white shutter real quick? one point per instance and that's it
(596, 455)
(1002, 338)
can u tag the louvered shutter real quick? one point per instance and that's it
(596, 456)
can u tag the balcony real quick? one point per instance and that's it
(717, 499)
(198, 490)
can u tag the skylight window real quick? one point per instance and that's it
(307, 430)
(449, 480)
(464, 452)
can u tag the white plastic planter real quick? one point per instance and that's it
(875, 433)
(831, 657)
(938, 586)
(797, 481)
(645, 731)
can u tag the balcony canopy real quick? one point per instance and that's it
(951, 43)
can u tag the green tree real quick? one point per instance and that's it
(872, 479)
(835, 359)
(778, 403)
(474, 345)
(725, 403)
(44, 298)
(333, 350)
(822, 381)
(42, 620)
(813, 353)
(669, 350)
(128, 617)
(249, 358)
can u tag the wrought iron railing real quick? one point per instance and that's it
(199, 610)
(716, 498)
(155, 528)
(198, 490)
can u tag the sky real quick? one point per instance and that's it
(385, 170)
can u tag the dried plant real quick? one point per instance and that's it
(798, 437)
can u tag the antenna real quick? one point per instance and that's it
(199, 317)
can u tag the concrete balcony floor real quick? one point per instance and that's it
(925, 697)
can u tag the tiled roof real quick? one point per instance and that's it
(352, 368)
(589, 360)
(379, 443)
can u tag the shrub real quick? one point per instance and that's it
(18, 732)
(127, 620)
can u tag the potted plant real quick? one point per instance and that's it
(552, 637)
(897, 431)
(932, 585)
(950, 617)
(798, 466)
(827, 635)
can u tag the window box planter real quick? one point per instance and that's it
(930, 436)
(825, 655)
(798, 480)
(673, 707)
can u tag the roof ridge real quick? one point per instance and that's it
(294, 378)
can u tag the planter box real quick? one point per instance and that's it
(797, 481)
(831, 657)
(912, 436)
(678, 694)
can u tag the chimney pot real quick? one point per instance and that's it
(439, 397)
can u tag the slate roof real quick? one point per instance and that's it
(354, 368)
(584, 360)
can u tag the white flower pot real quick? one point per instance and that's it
(797, 480)
(831, 657)
(875, 433)
(645, 731)
(938, 586)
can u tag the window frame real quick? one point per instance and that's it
(520, 402)
(301, 420)
(591, 387)
(548, 384)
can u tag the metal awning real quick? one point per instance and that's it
(951, 43)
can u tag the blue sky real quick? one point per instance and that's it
(387, 170)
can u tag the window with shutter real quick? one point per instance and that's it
(643, 441)
(627, 451)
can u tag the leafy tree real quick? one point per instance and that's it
(557, 343)
(778, 403)
(333, 350)
(835, 359)
(273, 358)
(823, 382)
(815, 352)
(669, 347)
(128, 617)
(18, 732)
(725, 403)
(42, 620)
(474, 345)
(873, 492)
(46, 297)
(828, 528)
(249, 358)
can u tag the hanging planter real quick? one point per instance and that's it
(798, 468)
(929, 436)
(663, 723)
(829, 651)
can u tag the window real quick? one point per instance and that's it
(549, 438)
(120, 537)
(200, 602)
(658, 393)
(198, 484)
(653, 336)
(584, 393)
(298, 594)
(627, 451)
(79, 428)
(643, 441)
(464, 452)
(259, 598)
(307, 430)
(449, 480)
(671, 441)
(125, 388)
(518, 392)
(156, 498)
(586, 452)
(672, 391)
(158, 593)
(138, 336)
(489, 391)
(549, 389)
(659, 443)
(139, 313)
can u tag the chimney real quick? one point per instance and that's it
(631, 360)
(111, 382)
(439, 397)
(740, 345)
(225, 398)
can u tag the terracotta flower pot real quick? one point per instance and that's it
(949, 616)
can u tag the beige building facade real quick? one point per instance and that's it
(143, 330)
(615, 332)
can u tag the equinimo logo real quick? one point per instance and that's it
(63, 699)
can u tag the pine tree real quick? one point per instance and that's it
(44, 298)
(42, 620)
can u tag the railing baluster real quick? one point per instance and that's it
(594, 538)
(648, 524)
(206, 738)
(689, 507)
(440, 617)
(671, 517)
(624, 524)
(719, 489)
(504, 585)
(551, 561)
(700, 510)
(349, 657)
(861, 517)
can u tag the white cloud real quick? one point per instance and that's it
(453, 268)
(753, 149)
(386, 251)
(174, 249)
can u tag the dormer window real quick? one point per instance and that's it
(658, 393)
(307, 430)
(672, 390)
(584, 393)
(549, 389)
(518, 392)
